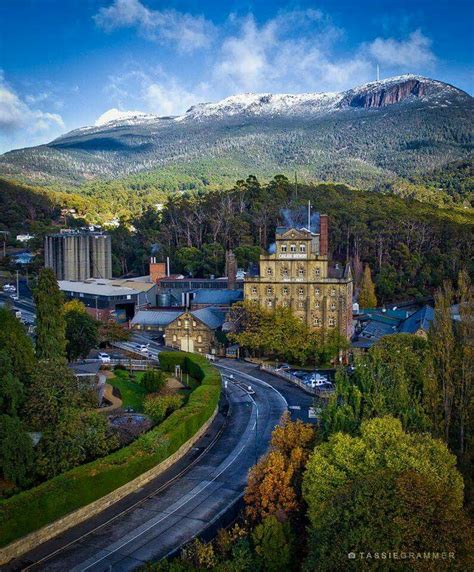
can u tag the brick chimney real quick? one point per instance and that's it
(157, 269)
(323, 237)
(231, 269)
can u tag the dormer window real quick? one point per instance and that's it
(292, 247)
(284, 247)
(302, 247)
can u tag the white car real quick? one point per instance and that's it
(14, 297)
(142, 347)
(9, 288)
(104, 358)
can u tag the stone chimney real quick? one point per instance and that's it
(323, 238)
(231, 269)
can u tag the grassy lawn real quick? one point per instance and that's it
(131, 392)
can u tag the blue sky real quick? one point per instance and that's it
(63, 63)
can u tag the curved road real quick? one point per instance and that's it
(190, 496)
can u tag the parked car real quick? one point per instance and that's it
(283, 367)
(142, 347)
(9, 288)
(14, 297)
(104, 358)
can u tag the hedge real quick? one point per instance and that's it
(49, 501)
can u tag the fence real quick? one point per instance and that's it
(135, 364)
(319, 392)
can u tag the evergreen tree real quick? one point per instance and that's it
(50, 323)
(367, 298)
(82, 333)
(17, 347)
(16, 451)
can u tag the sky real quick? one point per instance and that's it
(64, 63)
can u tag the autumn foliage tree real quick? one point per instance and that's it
(367, 297)
(274, 484)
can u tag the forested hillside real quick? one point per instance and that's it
(377, 135)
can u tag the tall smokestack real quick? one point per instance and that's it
(231, 269)
(323, 238)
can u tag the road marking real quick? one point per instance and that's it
(169, 513)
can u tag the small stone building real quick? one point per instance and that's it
(196, 331)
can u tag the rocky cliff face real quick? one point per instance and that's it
(385, 95)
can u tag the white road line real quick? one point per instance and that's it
(109, 553)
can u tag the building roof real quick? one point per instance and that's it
(212, 317)
(420, 320)
(217, 296)
(155, 317)
(99, 287)
(87, 368)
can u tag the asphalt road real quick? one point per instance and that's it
(189, 497)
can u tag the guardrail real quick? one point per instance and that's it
(136, 364)
(296, 381)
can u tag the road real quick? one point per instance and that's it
(189, 497)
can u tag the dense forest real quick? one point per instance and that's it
(410, 246)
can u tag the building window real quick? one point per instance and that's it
(284, 248)
(186, 324)
(317, 271)
(317, 321)
(199, 339)
(174, 337)
(194, 323)
(332, 322)
(254, 290)
(270, 303)
(301, 304)
(317, 291)
(333, 306)
(301, 291)
(269, 290)
(333, 291)
(199, 350)
(292, 247)
(284, 291)
(284, 272)
(179, 323)
(286, 304)
(301, 272)
(269, 272)
(316, 305)
(302, 247)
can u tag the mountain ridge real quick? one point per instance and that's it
(379, 131)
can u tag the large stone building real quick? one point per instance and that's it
(296, 274)
(78, 255)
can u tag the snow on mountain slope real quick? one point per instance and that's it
(371, 95)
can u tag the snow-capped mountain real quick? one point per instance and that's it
(397, 126)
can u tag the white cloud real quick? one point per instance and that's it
(19, 120)
(186, 31)
(411, 52)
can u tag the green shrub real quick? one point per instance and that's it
(34, 508)
(153, 380)
(158, 407)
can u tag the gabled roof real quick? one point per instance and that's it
(300, 232)
(213, 318)
(420, 320)
(217, 296)
(155, 317)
